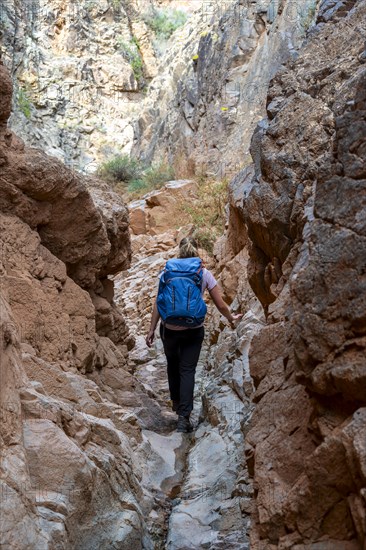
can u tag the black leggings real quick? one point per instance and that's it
(182, 349)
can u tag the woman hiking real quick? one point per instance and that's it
(181, 308)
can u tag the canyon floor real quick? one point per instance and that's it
(200, 487)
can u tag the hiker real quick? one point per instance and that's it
(181, 308)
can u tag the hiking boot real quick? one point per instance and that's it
(175, 405)
(184, 424)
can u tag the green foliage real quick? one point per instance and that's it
(121, 168)
(131, 52)
(165, 21)
(135, 41)
(157, 175)
(24, 103)
(137, 187)
(136, 65)
(153, 177)
(205, 238)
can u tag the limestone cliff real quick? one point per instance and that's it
(80, 71)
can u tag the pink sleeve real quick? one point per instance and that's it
(209, 280)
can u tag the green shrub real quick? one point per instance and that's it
(131, 175)
(131, 52)
(165, 21)
(121, 168)
(24, 103)
(137, 187)
(137, 67)
(205, 238)
(135, 41)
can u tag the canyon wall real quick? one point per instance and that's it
(71, 412)
(302, 205)
(203, 106)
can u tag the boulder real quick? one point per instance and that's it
(153, 214)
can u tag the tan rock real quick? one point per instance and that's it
(64, 436)
(154, 213)
(138, 222)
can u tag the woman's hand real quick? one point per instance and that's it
(235, 317)
(150, 338)
(223, 307)
(154, 321)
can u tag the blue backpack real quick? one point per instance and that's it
(179, 299)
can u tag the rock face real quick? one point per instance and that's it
(80, 70)
(48, 197)
(203, 106)
(73, 77)
(302, 206)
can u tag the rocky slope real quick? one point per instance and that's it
(302, 205)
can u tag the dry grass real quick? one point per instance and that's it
(207, 212)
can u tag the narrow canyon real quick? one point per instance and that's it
(252, 114)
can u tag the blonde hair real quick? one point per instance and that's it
(188, 248)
